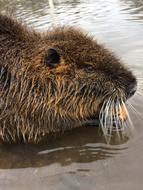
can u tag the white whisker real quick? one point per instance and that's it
(129, 119)
(137, 114)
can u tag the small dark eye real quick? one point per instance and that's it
(89, 68)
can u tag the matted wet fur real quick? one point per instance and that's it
(56, 81)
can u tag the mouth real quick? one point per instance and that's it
(112, 120)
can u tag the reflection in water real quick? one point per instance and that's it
(86, 147)
(81, 159)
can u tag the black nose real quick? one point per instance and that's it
(131, 89)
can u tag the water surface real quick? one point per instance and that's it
(80, 159)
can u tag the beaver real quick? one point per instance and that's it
(57, 80)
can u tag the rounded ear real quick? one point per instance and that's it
(52, 58)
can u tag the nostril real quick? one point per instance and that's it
(131, 89)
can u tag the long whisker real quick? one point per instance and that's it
(111, 118)
(129, 119)
(105, 120)
(137, 114)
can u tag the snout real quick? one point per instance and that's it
(131, 89)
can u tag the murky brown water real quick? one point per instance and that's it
(81, 160)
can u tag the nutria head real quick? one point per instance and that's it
(58, 80)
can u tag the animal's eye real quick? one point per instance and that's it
(52, 58)
(89, 68)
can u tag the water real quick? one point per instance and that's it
(80, 159)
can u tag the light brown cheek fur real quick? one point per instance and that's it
(61, 69)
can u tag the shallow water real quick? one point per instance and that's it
(80, 159)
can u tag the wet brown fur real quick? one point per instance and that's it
(36, 100)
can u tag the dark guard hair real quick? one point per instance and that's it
(55, 81)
